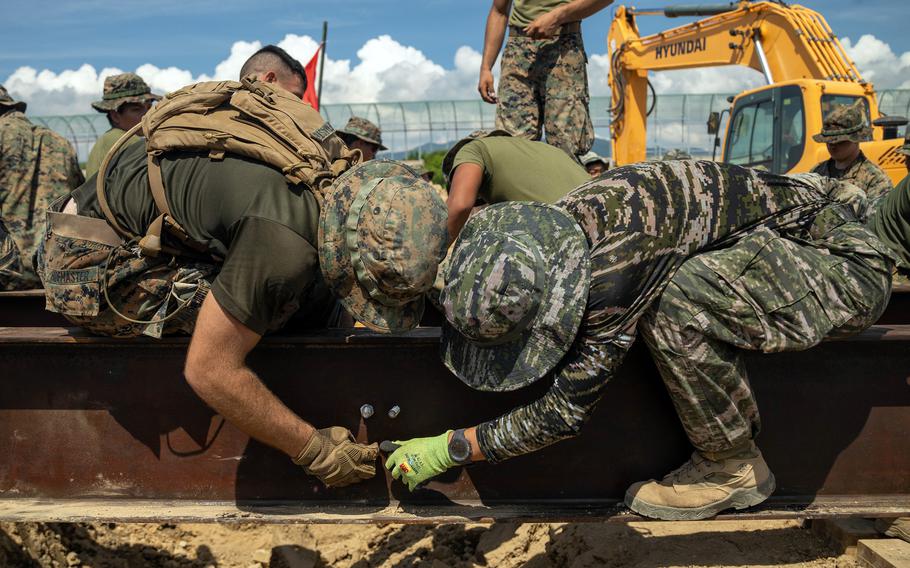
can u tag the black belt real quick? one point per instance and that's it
(570, 28)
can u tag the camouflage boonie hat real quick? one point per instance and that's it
(592, 158)
(382, 234)
(453, 151)
(124, 88)
(676, 154)
(7, 101)
(515, 295)
(845, 123)
(365, 130)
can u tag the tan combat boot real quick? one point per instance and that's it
(702, 488)
(897, 528)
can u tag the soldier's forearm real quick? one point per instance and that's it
(493, 36)
(580, 9)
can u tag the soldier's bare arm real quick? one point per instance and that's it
(466, 180)
(216, 369)
(492, 42)
(547, 25)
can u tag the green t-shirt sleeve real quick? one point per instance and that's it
(475, 152)
(268, 270)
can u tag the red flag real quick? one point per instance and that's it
(310, 70)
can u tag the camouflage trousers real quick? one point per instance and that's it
(765, 293)
(108, 288)
(543, 85)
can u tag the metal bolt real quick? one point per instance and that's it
(366, 410)
(394, 411)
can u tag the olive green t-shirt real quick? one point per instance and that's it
(891, 221)
(247, 213)
(104, 143)
(526, 11)
(518, 169)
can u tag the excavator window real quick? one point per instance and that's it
(768, 130)
(753, 135)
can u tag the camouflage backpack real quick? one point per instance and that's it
(248, 118)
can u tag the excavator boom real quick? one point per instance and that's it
(782, 42)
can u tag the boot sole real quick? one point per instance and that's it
(738, 499)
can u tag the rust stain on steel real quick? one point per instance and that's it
(26, 309)
(116, 419)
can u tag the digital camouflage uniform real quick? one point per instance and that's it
(543, 88)
(85, 277)
(848, 123)
(37, 166)
(642, 224)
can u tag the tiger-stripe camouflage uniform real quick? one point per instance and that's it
(642, 223)
(37, 166)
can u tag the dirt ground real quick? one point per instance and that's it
(690, 544)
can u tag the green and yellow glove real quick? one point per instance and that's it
(420, 459)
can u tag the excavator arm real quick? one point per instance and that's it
(782, 42)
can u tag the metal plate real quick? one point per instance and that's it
(87, 418)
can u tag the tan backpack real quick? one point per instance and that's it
(248, 118)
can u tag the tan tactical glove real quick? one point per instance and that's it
(336, 459)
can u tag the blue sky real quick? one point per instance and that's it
(54, 54)
(197, 34)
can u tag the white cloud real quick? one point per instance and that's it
(386, 70)
(878, 63)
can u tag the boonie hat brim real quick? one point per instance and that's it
(108, 105)
(506, 366)
(364, 138)
(864, 134)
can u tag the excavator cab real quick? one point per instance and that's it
(807, 70)
(767, 129)
(771, 127)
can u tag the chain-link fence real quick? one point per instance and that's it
(676, 121)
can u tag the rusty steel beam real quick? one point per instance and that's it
(98, 420)
(26, 309)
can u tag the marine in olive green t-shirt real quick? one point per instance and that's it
(526, 11)
(891, 222)
(247, 213)
(517, 169)
(104, 143)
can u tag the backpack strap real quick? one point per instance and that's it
(151, 244)
(99, 185)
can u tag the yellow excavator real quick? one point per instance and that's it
(806, 68)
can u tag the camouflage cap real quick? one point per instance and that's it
(676, 154)
(453, 151)
(365, 130)
(382, 234)
(515, 294)
(845, 123)
(6, 101)
(592, 158)
(124, 88)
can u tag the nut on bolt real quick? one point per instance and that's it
(366, 410)
(394, 411)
